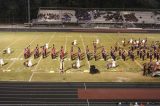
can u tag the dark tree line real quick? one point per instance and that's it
(16, 10)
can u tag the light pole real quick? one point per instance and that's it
(29, 17)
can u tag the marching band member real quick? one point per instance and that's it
(138, 52)
(87, 52)
(158, 56)
(132, 56)
(9, 50)
(131, 41)
(25, 53)
(78, 63)
(97, 41)
(150, 56)
(137, 41)
(143, 55)
(62, 53)
(155, 53)
(75, 42)
(157, 63)
(79, 53)
(104, 55)
(28, 53)
(95, 55)
(47, 46)
(30, 63)
(36, 52)
(53, 52)
(71, 53)
(116, 47)
(62, 65)
(44, 51)
(143, 41)
(124, 42)
(1, 62)
(94, 45)
(113, 63)
(120, 52)
(124, 55)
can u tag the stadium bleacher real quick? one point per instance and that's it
(145, 17)
(56, 16)
(130, 17)
(96, 16)
(157, 17)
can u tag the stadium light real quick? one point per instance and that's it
(29, 11)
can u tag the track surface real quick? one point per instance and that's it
(21, 28)
(60, 94)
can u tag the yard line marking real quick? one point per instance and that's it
(85, 51)
(138, 64)
(31, 77)
(88, 102)
(19, 55)
(85, 89)
(35, 69)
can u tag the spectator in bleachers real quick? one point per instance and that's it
(83, 15)
(130, 17)
(50, 16)
(116, 17)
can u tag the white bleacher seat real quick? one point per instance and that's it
(69, 16)
(145, 17)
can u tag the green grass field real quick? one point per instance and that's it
(48, 69)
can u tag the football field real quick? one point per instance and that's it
(47, 69)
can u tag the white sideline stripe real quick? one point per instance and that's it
(31, 77)
(19, 55)
(87, 102)
(33, 91)
(39, 61)
(59, 88)
(85, 50)
(9, 45)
